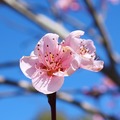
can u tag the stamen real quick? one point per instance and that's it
(51, 62)
(61, 69)
(91, 55)
(97, 57)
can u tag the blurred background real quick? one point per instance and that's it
(85, 95)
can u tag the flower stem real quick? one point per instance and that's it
(52, 103)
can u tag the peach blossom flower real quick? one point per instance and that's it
(114, 1)
(48, 64)
(85, 51)
(66, 4)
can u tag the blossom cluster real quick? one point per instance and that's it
(51, 61)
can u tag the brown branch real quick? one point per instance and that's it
(40, 19)
(108, 70)
(82, 105)
(99, 24)
(65, 97)
(48, 24)
(9, 64)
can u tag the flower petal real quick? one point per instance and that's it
(48, 43)
(59, 73)
(89, 45)
(73, 66)
(47, 84)
(92, 65)
(67, 56)
(75, 34)
(27, 65)
(70, 71)
(39, 48)
(73, 39)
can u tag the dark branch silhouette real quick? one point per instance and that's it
(63, 96)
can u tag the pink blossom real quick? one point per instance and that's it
(97, 117)
(48, 64)
(85, 51)
(108, 83)
(66, 4)
(114, 1)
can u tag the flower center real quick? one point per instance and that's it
(54, 61)
(50, 73)
(85, 52)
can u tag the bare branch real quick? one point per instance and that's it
(99, 24)
(39, 19)
(9, 64)
(82, 105)
(65, 97)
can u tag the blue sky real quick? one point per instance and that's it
(16, 42)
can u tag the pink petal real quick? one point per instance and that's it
(66, 4)
(70, 71)
(98, 65)
(48, 43)
(39, 47)
(59, 73)
(73, 39)
(27, 65)
(47, 84)
(66, 56)
(32, 53)
(75, 6)
(89, 45)
(76, 34)
(73, 66)
(62, 4)
(114, 1)
(92, 65)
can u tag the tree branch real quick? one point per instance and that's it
(9, 64)
(65, 97)
(40, 19)
(99, 24)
